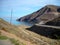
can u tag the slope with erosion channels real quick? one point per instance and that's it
(44, 14)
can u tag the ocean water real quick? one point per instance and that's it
(14, 22)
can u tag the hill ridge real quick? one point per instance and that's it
(44, 14)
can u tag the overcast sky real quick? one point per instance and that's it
(23, 7)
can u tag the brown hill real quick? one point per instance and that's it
(24, 36)
(43, 15)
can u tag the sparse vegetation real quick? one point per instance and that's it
(16, 42)
(3, 37)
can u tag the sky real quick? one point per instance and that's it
(23, 7)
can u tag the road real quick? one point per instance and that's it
(56, 27)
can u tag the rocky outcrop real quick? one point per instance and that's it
(44, 14)
(49, 32)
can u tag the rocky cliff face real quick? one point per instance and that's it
(44, 14)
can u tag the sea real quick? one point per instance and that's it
(14, 21)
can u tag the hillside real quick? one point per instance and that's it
(22, 36)
(43, 15)
(55, 22)
(50, 29)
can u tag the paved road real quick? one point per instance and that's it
(56, 27)
(5, 42)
